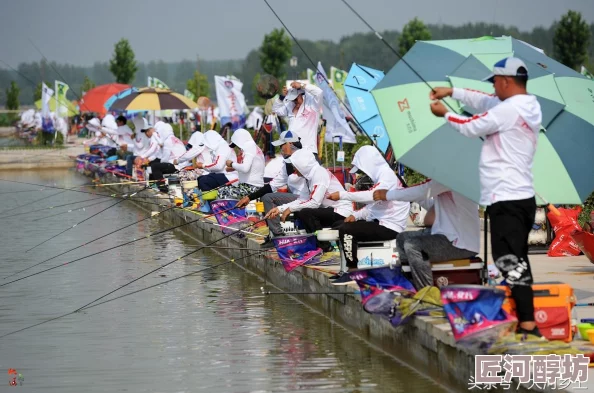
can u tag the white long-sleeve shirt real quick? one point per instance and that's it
(320, 182)
(251, 168)
(511, 129)
(456, 217)
(305, 122)
(390, 214)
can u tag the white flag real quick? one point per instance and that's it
(154, 82)
(231, 101)
(336, 124)
(46, 96)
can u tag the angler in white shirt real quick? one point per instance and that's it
(269, 194)
(510, 125)
(195, 150)
(302, 105)
(455, 233)
(220, 153)
(172, 149)
(377, 220)
(250, 169)
(317, 211)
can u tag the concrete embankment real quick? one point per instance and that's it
(425, 343)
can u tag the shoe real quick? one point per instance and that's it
(337, 275)
(534, 332)
(268, 243)
(345, 279)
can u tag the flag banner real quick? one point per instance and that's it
(154, 82)
(228, 217)
(475, 314)
(46, 96)
(61, 101)
(379, 287)
(231, 101)
(336, 124)
(337, 78)
(295, 251)
(311, 76)
(586, 73)
(190, 95)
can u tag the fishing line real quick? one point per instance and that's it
(49, 208)
(20, 73)
(31, 203)
(100, 252)
(317, 72)
(70, 211)
(16, 192)
(78, 223)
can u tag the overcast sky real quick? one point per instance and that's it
(84, 31)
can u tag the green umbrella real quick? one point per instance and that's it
(72, 110)
(428, 144)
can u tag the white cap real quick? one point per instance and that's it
(507, 67)
(141, 124)
(286, 137)
(294, 93)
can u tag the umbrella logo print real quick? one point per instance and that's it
(378, 131)
(402, 105)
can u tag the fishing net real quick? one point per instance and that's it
(267, 86)
(425, 302)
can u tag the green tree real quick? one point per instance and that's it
(87, 84)
(571, 40)
(37, 92)
(413, 31)
(12, 96)
(198, 85)
(274, 53)
(123, 64)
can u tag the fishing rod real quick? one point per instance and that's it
(49, 208)
(308, 293)
(328, 83)
(69, 211)
(28, 204)
(378, 35)
(20, 73)
(233, 260)
(17, 192)
(109, 249)
(80, 222)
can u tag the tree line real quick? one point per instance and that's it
(567, 40)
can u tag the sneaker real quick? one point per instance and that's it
(337, 275)
(534, 332)
(345, 279)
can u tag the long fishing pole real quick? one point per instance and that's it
(328, 83)
(28, 204)
(20, 73)
(131, 293)
(70, 211)
(109, 249)
(78, 223)
(17, 192)
(49, 208)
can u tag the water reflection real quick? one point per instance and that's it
(211, 332)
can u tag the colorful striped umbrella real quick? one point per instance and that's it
(431, 146)
(152, 99)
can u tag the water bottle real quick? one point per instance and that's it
(395, 260)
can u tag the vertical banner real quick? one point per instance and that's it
(190, 95)
(61, 101)
(46, 96)
(311, 76)
(586, 73)
(336, 124)
(231, 101)
(154, 82)
(337, 77)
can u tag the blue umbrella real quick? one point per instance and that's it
(357, 87)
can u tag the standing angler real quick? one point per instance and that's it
(510, 124)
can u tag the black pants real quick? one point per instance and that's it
(511, 222)
(350, 233)
(316, 219)
(157, 171)
(212, 181)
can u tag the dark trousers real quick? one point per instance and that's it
(211, 181)
(511, 222)
(349, 233)
(316, 219)
(130, 164)
(157, 171)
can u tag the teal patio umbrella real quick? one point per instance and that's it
(428, 144)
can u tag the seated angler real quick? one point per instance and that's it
(195, 151)
(317, 211)
(172, 149)
(269, 195)
(219, 152)
(377, 220)
(455, 233)
(250, 168)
